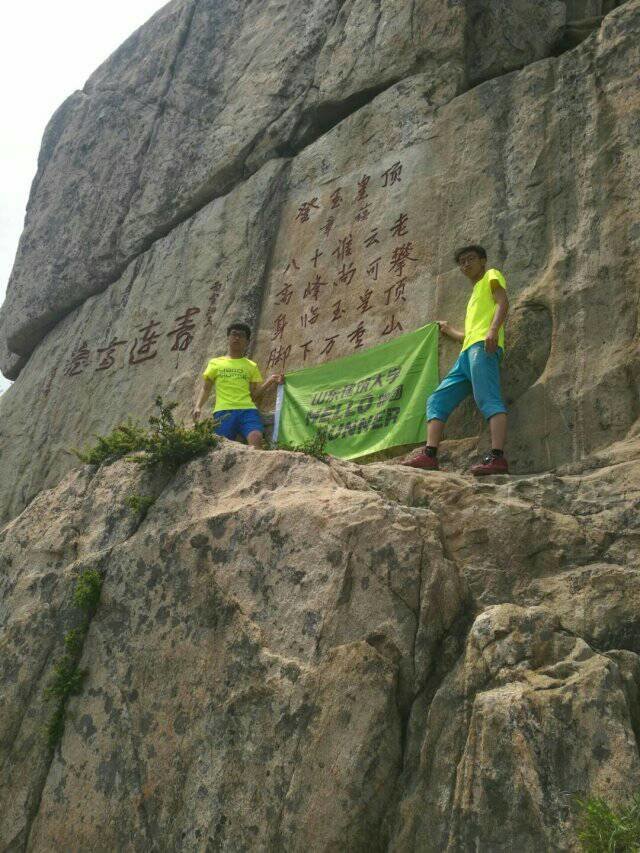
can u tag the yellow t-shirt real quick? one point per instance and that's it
(480, 310)
(232, 377)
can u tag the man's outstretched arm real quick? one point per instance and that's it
(207, 385)
(448, 330)
(499, 315)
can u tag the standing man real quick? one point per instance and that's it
(477, 369)
(239, 387)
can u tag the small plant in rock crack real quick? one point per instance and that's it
(315, 446)
(602, 829)
(87, 592)
(66, 681)
(67, 676)
(73, 641)
(167, 443)
(140, 504)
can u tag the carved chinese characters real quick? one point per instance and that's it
(106, 355)
(144, 344)
(343, 271)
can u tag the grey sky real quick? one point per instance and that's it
(48, 51)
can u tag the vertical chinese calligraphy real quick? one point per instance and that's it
(346, 269)
(183, 333)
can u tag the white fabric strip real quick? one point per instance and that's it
(276, 420)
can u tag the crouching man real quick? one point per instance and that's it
(238, 389)
(477, 369)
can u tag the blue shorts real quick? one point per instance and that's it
(476, 371)
(234, 421)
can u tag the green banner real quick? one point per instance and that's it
(365, 402)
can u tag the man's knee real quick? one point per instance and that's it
(491, 406)
(254, 439)
(441, 403)
(488, 396)
(436, 409)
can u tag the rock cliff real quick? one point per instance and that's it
(293, 655)
(290, 654)
(230, 154)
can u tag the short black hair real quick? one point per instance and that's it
(239, 327)
(479, 250)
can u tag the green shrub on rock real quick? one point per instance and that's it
(166, 444)
(67, 679)
(87, 592)
(315, 446)
(170, 444)
(124, 439)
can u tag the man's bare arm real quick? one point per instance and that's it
(499, 315)
(257, 390)
(207, 385)
(448, 330)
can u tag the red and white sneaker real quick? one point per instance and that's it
(490, 465)
(424, 461)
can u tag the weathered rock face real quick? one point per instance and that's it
(126, 346)
(500, 770)
(517, 161)
(351, 240)
(297, 655)
(287, 654)
(204, 94)
(201, 97)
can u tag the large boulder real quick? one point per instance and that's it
(201, 97)
(304, 654)
(529, 719)
(296, 654)
(538, 164)
(110, 358)
(254, 655)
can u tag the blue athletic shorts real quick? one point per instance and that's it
(476, 371)
(234, 421)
